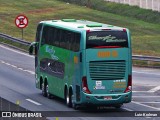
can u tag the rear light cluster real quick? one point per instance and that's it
(85, 86)
(124, 30)
(129, 85)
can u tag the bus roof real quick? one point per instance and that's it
(80, 25)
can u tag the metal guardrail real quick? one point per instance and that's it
(146, 58)
(13, 39)
(134, 57)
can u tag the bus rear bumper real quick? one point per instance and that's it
(105, 99)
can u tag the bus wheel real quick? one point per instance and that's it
(44, 90)
(68, 99)
(47, 92)
(75, 106)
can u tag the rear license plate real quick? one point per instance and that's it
(107, 97)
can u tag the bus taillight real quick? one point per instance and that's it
(124, 30)
(88, 31)
(129, 85)
(85, 86)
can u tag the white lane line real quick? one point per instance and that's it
(16, 51)
(20, 69)
(145, 105)
(145, 73)
(154, 89)
(34, 102)
(14, 66)
(8, 64)
(31, 72)
(145, 85)
(2, 61)
(127, 109)
(141, 92)
(145, 96)
(149, 102)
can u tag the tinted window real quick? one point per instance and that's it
(38, 32)
(61, 38)
(107, 38)
(76, 42)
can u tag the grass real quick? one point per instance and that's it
(146, 64)
(145, 35)
(120, 9)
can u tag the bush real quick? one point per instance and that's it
(120, 9)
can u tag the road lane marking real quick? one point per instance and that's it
(31, 72)
(34, 102)
(127, 109)
(154, 89)
(20, 69)
(14, 66)
(141, 91)
(145, 73)
(149, 102)
(145, 85)
(145, 105)
(16, 51)
(2, 61)
(145, 96)
(8, 64)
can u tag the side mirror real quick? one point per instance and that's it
(33, 48)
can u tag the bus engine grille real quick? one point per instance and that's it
(107, 70)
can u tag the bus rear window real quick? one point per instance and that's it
(107, 39)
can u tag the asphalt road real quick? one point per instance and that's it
(17, 85)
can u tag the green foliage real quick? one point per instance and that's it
(120, 9)
(145, 35)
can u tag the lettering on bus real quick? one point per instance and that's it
(103, 54)
(114, 54)
(108, 38)
(119, 84)
(51, 52)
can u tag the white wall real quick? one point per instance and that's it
(147, 4)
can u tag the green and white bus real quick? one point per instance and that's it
(83, 62)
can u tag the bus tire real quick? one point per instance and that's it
(49, 96)
(68, 98)
(75, 106)
(44, 93)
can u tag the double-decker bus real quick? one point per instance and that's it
(83, 62)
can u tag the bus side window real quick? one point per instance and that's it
(38, 33)
(67, 40)
(71, 40)
(78, 37)
(50, 36)
(56, 37)
(76, 43)
(63, 39)
(44, 35)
